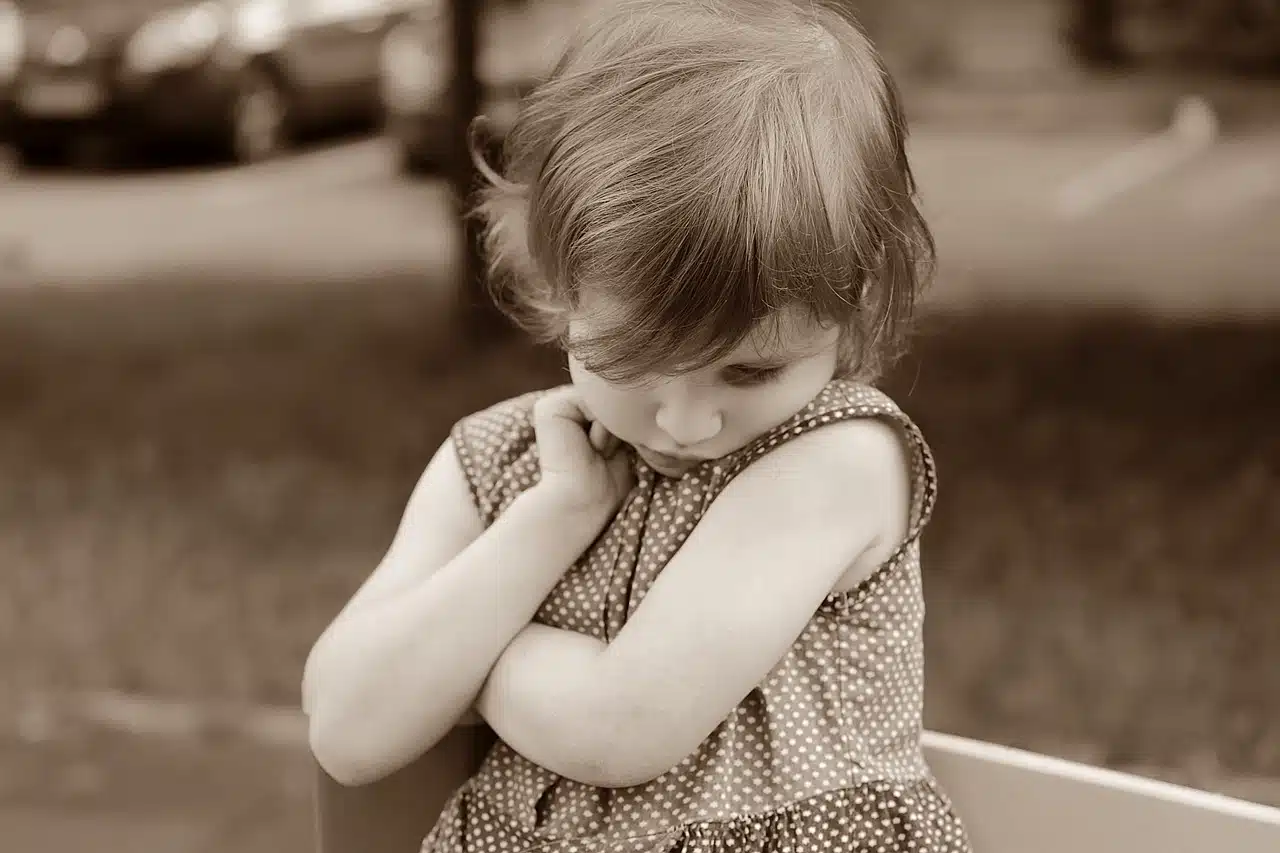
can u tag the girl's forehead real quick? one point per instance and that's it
(787, 335)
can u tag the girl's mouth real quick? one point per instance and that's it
(666, 464)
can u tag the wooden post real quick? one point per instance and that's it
(482, 322)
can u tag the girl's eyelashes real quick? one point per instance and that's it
(748, 376)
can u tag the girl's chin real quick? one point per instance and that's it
(666, 465)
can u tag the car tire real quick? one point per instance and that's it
(419, 162)
(40, 153)
(258, 124)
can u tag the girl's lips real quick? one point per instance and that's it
(664, 463)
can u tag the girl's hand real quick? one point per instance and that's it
(583, 466)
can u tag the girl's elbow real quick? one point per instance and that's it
(356, 745)
(624, 762)
(340, 752)
(626, 777)
(345, 773)
(330, 754)
(623, 771)
(622, 745)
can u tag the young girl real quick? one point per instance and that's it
(684, 590)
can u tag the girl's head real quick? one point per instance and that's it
(704, 189)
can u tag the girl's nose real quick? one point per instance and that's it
(688, 424)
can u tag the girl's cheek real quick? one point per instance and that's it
(611, 407)
(603, 405)
(592, 393)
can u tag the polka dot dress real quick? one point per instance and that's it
(824, 755)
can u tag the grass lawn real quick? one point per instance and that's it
(196, 477)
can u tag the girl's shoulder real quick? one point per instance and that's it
(498, 452)
(855, 431)
(840, 402)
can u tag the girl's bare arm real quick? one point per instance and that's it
(435, 528)
(404, 661)
(820, 512)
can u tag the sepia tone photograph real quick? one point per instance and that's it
(488, 426)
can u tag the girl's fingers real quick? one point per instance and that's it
(604, 442)
(561, 431)
(600, 438)
(562, 403)
(561, 413)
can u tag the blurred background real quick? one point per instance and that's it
(237, 316)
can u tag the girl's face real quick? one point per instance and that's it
(675, 422)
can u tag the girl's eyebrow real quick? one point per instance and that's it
(754, 358)
(759, 363)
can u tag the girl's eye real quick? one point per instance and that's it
(745, 376)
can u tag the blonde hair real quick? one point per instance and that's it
(704, 164)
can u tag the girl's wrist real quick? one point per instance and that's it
(567, 513)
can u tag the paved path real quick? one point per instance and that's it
(1195, 237)
(329, 214)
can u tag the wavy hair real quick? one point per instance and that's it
(703, 165)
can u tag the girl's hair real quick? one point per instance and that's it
(700, 165)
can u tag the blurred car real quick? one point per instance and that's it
(519, 43)
(245, 74)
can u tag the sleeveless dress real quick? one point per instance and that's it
(823, 756)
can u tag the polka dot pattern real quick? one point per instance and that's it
(823, 755)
